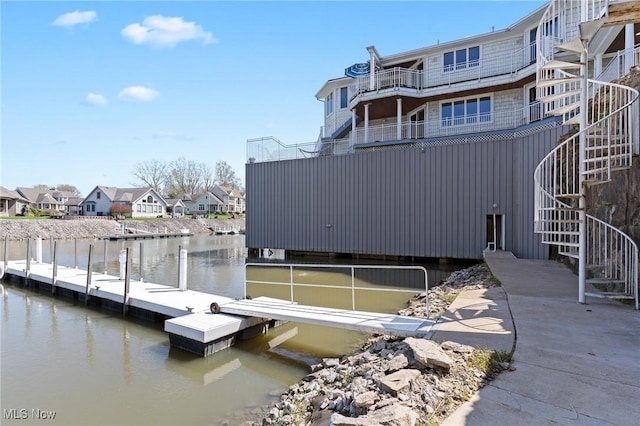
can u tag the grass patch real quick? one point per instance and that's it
(488, 361)
(449, 298)
(495, 281)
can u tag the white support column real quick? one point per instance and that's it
(372, 71)
(597, 65)
(582, 203)
(399, 119)
(628, 46)
(366, 123)
(354, 134)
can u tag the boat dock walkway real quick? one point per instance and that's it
(189, 315)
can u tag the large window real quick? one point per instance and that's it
(329, 104)
(344, 97)
(462, 58)
(466, 111)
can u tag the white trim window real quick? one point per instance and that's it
(344, 97)
(465, 111)
(469, 57)
(329, 104)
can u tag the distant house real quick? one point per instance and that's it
(50, 200)
(11, 203)
(204, 203)
(73, 206)
(233, 199)
(143, 202)
(175, 207)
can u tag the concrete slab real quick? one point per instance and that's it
(574, 363)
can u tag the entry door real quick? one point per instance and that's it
(495, 237)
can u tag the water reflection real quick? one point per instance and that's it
(62, 355)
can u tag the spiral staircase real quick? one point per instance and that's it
(607, 117)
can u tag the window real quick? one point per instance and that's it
(344, 97)
(201, 207)
(462, 58)
(149, 199)
(98, 195)
(329, 104)
(467, 111)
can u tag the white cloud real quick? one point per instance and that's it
(95, 99)
(74, 18)
(165, 31)
(138, 93)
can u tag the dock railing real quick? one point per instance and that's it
(292, 283)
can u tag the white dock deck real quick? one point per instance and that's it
(190, 310)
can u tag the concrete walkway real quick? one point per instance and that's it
(575, 364)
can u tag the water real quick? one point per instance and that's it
(93, 367)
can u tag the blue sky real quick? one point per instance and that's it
(90, 89)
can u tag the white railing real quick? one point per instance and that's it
(271, 149)
(455, 126)
(352, 288)
(616, 66)
(489, 66)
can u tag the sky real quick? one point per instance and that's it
(88, 90)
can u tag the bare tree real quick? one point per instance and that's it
(42, 186)
(225, 175)
(68, 188)
(208, 180)
(185, 177)
(153, 173)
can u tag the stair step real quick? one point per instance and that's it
(573, 120)
(574, 46)
(556, 96)
(604, 281)
(571, 254)
(557, 81)
(561, 65)
(609, 295)
(565, 109)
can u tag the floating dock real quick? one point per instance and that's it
(147, 236)
(199, 322)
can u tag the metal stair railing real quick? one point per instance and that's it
(610, 137)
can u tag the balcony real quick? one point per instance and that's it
(422, 83)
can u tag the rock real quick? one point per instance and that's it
(330, 362)
(398, 362)
(392, 415)
(429, 353)
(395, 382)
(367, 399)
(457, 347)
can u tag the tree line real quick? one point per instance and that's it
(182, 176)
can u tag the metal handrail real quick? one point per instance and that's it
(352, 268)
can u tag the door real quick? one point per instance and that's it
(495, 237)
(417, 125)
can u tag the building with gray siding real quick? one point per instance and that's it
(428, 153)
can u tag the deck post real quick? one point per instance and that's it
(105, 255)
(54, 262)
(141, 261)
(122, 258)
(26, 271)
(39, 249)
(125, 301)
(182, 277)
(86, 290)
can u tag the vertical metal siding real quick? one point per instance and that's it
(406, 202)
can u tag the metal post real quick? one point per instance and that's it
(105, 256)
(26, 274)
(5, 254)
(495, 233)
(75, 252)
(291, 280)
(51, 247)
(182, 277)
(125, 301)
(582, 204)
(89, 272)
(122, 258)
(141, 260)
(353, 288)
(54, 261)
(179, 249)
(39, 249)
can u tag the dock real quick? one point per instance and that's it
(199, 322)
(147, 236)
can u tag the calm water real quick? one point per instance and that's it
(93, 367)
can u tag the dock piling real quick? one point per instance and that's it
(54, 262)
(182, 278)
(105, 256)
(141, 261)
(127, 269)
(75, 252)
(39, 249)
(86, 291)
(28, 267)
(5, 254)
(51, 248)
(122, 258)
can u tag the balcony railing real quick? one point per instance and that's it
(490, 65)
(260, 150)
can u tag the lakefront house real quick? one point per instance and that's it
(431, 153)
